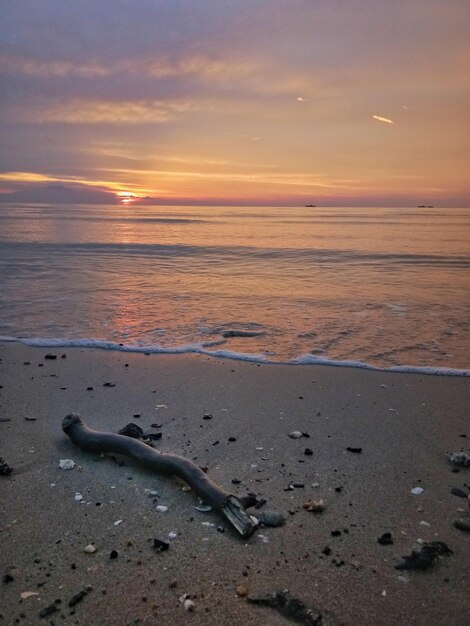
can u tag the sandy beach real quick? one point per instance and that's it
(403, 424)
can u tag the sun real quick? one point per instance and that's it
(125, 197)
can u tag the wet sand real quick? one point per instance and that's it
(404, 423)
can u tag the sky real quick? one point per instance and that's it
(255, 102)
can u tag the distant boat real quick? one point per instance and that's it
(310, 205)
(425, 206)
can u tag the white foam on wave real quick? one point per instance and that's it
(201, 348)
(310, 359)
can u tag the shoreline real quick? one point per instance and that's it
(200, 349)
(404, 424)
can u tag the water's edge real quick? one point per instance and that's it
(200, 348)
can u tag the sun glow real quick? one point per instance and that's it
(125, 197)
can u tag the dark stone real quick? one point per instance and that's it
(338, 489)
(78, 597)
(462, 524)
(460, 493)
(298, 485)
(335, 533)
(51, 356)
(63, 356)
(113, 555)
(424, 557)
(232, 438)
(386, 539)
(236, 481)
(152, 436)
(260, 503)
(89, 388)
(132, 430)
(160, 546)
(271, 518)
(356, 450)
(48, 610)
(109, 384)
(215, 442)
(308, 451)
(5, 469)
(290, 607)
(7, 578)
(306, 435)
(326, 550)
(207, 416)
(137, 415)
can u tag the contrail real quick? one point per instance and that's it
(383, 119)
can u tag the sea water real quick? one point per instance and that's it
(380, 287)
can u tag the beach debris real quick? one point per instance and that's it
(5, 469)
(207, 416)
(78, 496)
(30, 418)
(308, 451)
(385, 539)
(462, 458)
(109, 384)
(172, 534)
(241, 590)
(50, 357)
(423, 558)
(290, 607)
(66, 464)
(132, 430)
(355, 450)
(48, 610)
(187, 603)
(28, 594)
(160, 546)
(295, 434)
(202, 507)
(462, 524)
(314, 506)
(78, 597)
(271, 518)
(3, 420)
(228, 505)
(117, 522)
(161, 508)
(90, 548)
(460, 493)
(417, 491)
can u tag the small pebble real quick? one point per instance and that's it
(90, 548)
(314, 506)
(295, 434)
(241, 591)
(417, 491)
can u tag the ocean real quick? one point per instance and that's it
(374, 287)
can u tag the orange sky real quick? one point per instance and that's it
(217, 102)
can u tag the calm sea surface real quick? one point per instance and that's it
(386, 287)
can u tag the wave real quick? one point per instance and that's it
(225, 253)
(202, 348)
